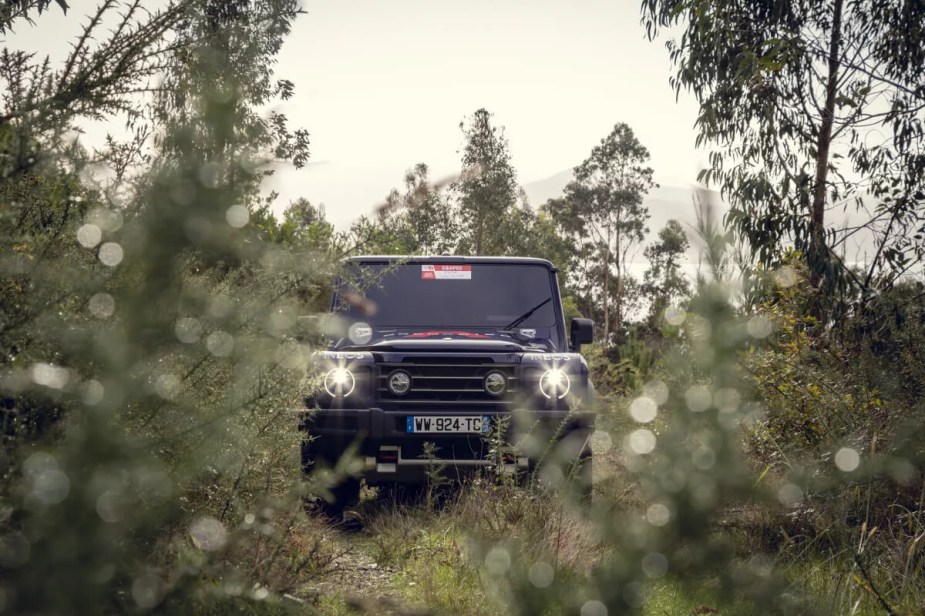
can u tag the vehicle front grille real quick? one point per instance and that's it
(446, 383)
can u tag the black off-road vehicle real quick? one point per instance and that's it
(444, 350)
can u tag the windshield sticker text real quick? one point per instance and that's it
(446, 272)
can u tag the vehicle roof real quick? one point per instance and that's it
(452, 259)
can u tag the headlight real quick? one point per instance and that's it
(339, 382)
(555, 383)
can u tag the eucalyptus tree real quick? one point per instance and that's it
(487, 189)
(602, 211)
(422, 218)
(304, 226)
(809, 106)
(664, 281)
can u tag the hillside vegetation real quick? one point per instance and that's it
(758, 447)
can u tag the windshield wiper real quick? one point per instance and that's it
(526, 315)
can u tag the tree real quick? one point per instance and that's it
(487, 188)
(421, 217)
(171, 377)
(227, 56)
(114, 63)
(303, 226)
(664, 281)
(546, 239)
(602, 211)
(485, 211)
(810, 105)
(12, 10)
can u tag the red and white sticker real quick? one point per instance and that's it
(447, 333)
(446, 272)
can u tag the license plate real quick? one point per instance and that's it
(448, 424)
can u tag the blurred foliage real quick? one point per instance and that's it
(152, 349)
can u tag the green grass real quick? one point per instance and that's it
(669, 597)
(837, 586)
(439, 575)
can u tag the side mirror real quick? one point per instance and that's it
(582, 332)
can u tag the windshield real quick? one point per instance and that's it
(451, 295)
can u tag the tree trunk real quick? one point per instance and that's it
(478, 236)
(818, 255)
(607, 294)
(618, 299)
(618, 311)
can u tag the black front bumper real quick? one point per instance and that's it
(391, 453)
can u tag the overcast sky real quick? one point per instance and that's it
(382, 85)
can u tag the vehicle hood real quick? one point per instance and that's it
(449, 340)
(455, 345)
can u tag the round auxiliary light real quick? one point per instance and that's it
(360, 333)
(399, 382)
(339, 383)
(495, 383)
(555, 383)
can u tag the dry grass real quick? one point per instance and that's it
(543, 525)
(283, 549)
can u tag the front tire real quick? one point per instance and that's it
(344, 494)
(403, 494)
(572, 473)
(584, 476)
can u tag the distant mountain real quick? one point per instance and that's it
(541, 191)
